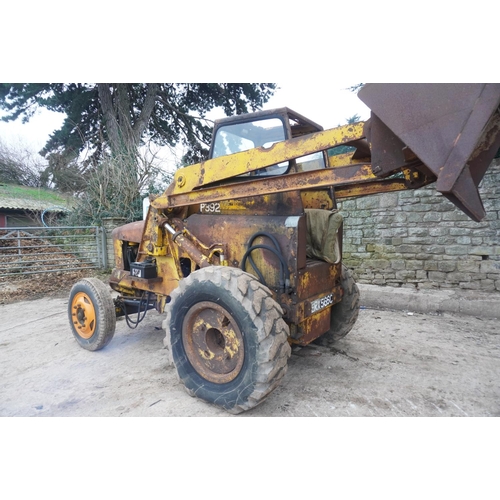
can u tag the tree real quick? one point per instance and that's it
(20, 166)
(116, 118)
(356, 88)
(110, 121)
(353, 119)
(65, 173)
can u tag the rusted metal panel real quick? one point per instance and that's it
(314, 179)
(316, 278)
(317, 199)
(312, 328)
(235, 231)
(129, 232)
(387, 149)
(369, 188)
(453, 128)
(289, 203)
(412, 179)
(121, 280)
(118, 253)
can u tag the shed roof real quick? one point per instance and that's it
(16, 197)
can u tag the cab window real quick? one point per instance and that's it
(237, 137)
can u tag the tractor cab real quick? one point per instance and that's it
(261, 130)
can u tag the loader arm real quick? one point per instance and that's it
(423, 132)
(214, 180)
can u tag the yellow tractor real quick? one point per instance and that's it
(243, 252)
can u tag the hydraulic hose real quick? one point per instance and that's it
(131, 323)
(284, 280)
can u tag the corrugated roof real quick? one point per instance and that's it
(37, 199)
(14, 204)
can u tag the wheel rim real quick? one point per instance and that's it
(213, 342)
(83, 315)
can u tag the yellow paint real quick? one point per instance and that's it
(199, 323)
(340, 160)
(225, 167)
(232, 344)
(159, 251)
(206, 355)
(316, 199)
(236, 205)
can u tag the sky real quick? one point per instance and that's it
(328, 105)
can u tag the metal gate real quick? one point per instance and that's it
(34, 250)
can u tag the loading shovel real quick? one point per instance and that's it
(453, 129)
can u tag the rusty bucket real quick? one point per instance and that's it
(453, 129)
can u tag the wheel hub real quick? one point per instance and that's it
(213, 342)
(83, 315)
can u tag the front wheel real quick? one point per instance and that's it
(91, 314)
(227, 337)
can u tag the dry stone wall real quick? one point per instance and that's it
(419, 239)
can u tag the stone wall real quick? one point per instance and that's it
(419, 239)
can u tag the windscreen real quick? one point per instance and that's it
(237, 137)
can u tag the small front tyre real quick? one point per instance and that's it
(91, 314)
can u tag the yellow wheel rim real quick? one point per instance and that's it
(83, 315)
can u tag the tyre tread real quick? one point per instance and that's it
(256, 300)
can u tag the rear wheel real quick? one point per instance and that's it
(345, 313)
(227, 337)
(91, 314)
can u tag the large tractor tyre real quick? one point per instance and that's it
(345, 313)
(91, 314)
(227, 337)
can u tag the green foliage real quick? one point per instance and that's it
(98, 116)
(353, 119)
(47, 196)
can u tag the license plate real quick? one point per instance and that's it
(319, 304)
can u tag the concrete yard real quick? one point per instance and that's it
(393, 364)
